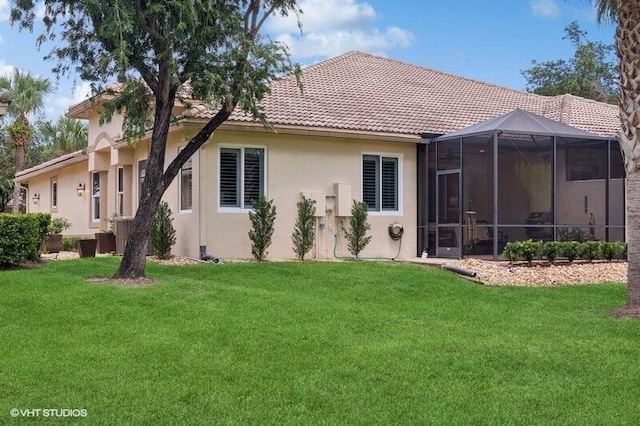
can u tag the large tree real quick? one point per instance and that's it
(591, 73)
(627, 45)
(27, 97)
(153, 49)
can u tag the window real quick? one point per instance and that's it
(120, 192)
(142, 171)
(242, 176)
(380, 182)
(54, 194)
(186, 186)
(95, 197)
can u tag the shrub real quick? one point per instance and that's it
(262, 219)
(163, 234)
(356, 234)
(531, 249)
(512, 251)
(58, 225)
(22, 237)
(571, 250)
(69, 243)
(303, 232)
(590, 250)
(551, 250)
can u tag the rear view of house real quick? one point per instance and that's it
(364, 128)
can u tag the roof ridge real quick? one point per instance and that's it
(440, 72)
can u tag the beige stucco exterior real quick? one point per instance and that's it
(324, 165)
(311, 165)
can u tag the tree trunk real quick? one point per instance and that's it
(134, 256)
(627, 42)
(15, 208)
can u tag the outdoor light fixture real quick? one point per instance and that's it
(80, 189)
(36, 198)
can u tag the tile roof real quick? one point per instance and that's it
(362, 92)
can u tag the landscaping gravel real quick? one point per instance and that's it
(543, 274)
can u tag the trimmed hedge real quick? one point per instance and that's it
(570, 250)
(22, 237)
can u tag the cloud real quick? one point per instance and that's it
(60, 104)
(332, 27)
(4, 10)
(5, 69)
(544, 8)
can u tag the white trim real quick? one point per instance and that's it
(92, 209)
(54, 206)
(138, 186)
(120, 194)
(180, 209)
(400, 157)
(241, 147)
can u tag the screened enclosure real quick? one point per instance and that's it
(516, 177)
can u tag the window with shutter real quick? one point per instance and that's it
(371, 181)
(389, 184)
(242, 176)
(229, 177)
(380, 182)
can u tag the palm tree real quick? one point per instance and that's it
(627, 15)
(65, 135)
(27, 97)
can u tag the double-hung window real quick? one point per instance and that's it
(54, 194)
(142, 172)
(95, 197)
(186, 186)
(380, 182)
(120, 192)
(242, 176)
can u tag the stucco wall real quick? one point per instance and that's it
(70, 205)
(297, 164)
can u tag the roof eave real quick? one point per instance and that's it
(51, 166)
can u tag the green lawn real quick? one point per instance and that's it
(333, 343)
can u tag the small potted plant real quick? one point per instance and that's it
(53, 241)
(106, 241)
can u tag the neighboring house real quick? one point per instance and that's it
(363, 128)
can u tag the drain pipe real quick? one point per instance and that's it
(462, 271)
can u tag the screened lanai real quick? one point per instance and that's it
(519, 176)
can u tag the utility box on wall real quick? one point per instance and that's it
(343, 199)
(319, 201)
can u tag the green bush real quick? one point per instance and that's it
(622, 249)
(590, 250)
(57, 225)
(263, 217)
(22, 237)
(303, 232)
(527, 250)
(70, 243)
(512, 251)
(356, 234)
(551, 250)
(571, 250)
(163, 234)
